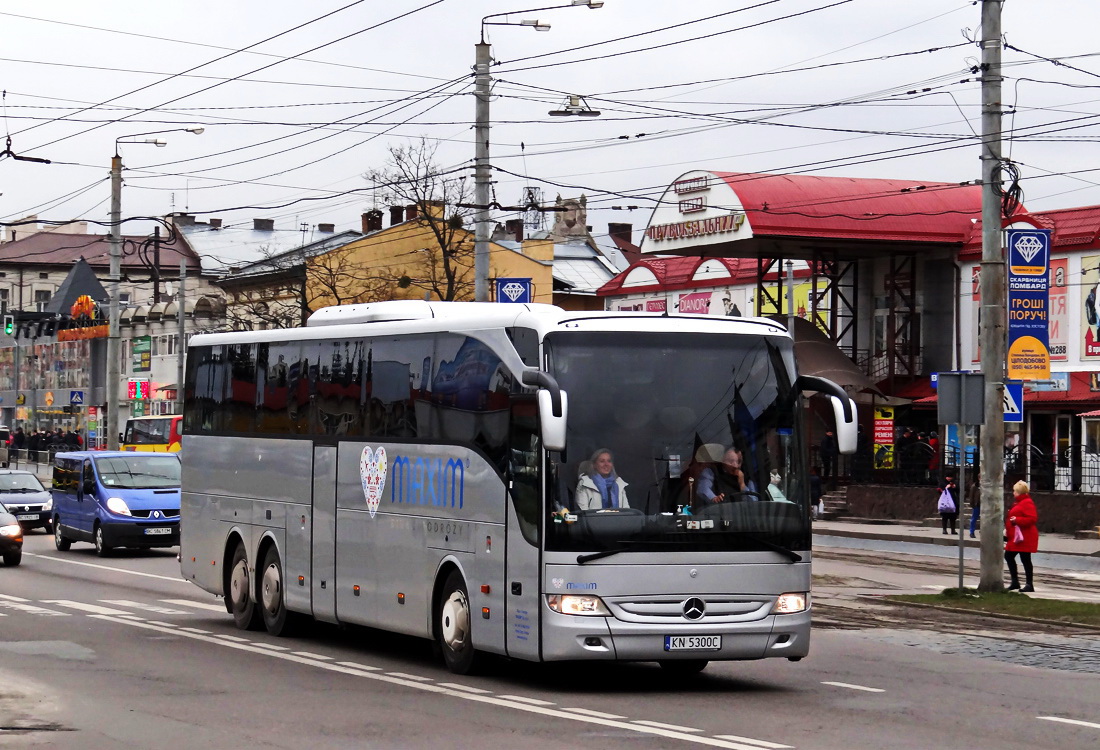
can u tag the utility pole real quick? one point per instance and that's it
(181, 346)
(481, 170)
(992, 333)
(113, 366)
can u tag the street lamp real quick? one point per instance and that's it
(482, 82)
(114, 368)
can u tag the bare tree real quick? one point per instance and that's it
(444, 267)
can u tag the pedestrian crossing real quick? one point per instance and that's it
(117, 607)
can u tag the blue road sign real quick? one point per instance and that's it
(1014, 402)
(76, 398)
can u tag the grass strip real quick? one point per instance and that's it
(1009, 603)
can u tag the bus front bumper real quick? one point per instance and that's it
(568, 637)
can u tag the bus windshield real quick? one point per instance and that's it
(677, 442)
(139, 472)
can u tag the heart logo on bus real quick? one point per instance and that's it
(372, 472)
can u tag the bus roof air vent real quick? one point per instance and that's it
(372, 312)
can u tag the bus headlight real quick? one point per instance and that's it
(788, 604)
(572, 604)
(118, 505)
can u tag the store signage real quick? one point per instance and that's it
(141, 349)
(691, 205)
(85, 321)
(691, 184)
(696, 228)
(1028, 356)
(884, 437)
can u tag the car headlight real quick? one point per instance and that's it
(118, 505)
(12, 530)
(571, 604)
(790, 603)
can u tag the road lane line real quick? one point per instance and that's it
(356, 665)
(94, 609)
(196, 631)
(235, 638)
(524, 699)
(439, 689)
(755, 743)
(32, 609)
(850, 686)
(456, 686)
(10, 598)
(196, 605)
(1075, 722)
(672, 727)
(406, 676)
(53, 558)
(144, 607)
(597, 714)
(308, 655)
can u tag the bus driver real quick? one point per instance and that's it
(601, 487)
(723, 481)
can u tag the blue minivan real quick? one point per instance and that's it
(116, 499)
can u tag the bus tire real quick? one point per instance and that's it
(246, 615)
(60, 541)
(684, 667)
(101, 547)
(278, 620)
(453, 623)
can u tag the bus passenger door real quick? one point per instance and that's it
(523, 579)
(323, 577)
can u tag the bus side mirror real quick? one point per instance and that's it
(846, 430)
(552, 424)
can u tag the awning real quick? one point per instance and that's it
(817, 355)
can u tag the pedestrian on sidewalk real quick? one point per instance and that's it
(1021, 535)
(948, 503)
(828, 451)
(816, 508)
(974, 497)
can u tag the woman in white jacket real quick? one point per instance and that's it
(601, 487)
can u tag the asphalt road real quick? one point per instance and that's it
(121, 653)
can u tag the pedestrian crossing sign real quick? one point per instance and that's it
(1014, 402)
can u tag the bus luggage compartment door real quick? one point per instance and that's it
(323, 577)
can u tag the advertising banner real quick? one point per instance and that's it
(1059, 303)
(884, 437)
(697, 303)
(141, 348)
(1090, 278)
(1028, 356)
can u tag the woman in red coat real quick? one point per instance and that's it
(1022, 516)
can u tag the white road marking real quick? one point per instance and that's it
(163, 624)
(32, 609)
(11, 598)
(850, 686)
(271, 646)
(597, 714)
(524, 699)
(355, 665)
(755, 743)
(406, 676)
(197, 631)
(439, 689)
(672, 727)
(54, 558)
(1076, 722)
(235, 638)
(308, 655)
(467, 688)
(144, 607)
(196, 605)
(94, 609)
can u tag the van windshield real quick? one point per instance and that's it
(139, 472)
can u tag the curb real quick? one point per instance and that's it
(950, 541)
(979, 613)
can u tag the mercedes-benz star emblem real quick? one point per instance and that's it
(694, 608)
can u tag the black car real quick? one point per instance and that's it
(11, 538)
(25, 498)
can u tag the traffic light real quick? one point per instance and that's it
(9, 324)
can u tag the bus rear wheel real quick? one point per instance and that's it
(246, 616)
(453, 623)
(278, 620)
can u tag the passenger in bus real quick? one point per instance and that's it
(725, 481)
(601, 487)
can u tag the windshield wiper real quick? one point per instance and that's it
(785, 551)
(582, 559)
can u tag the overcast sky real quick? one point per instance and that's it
(758, 86)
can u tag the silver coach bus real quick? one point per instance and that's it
(425, 468)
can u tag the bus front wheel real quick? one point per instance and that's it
(278, 620)
(245, 614)
(453, 623)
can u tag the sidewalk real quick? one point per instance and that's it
(910, 531)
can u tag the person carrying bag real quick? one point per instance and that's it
(948, 504)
